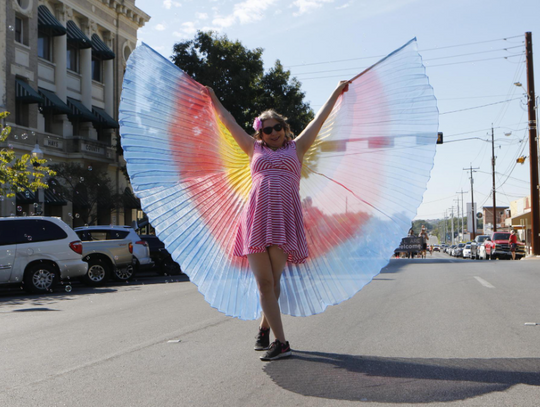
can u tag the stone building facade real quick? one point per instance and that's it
(61, 80)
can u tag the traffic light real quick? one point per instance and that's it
(439, 137)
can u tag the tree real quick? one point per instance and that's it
(88, 189)
(237, 76)
(16, 175)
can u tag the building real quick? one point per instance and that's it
(521, 220)
(61, 80)
(500, 213)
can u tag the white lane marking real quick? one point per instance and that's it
(484, 282)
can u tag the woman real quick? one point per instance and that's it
(512, 242)
(271, 228)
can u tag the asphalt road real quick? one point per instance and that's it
(435, 331)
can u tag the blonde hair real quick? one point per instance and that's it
(272, 114)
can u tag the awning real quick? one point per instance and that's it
(52, 103)
(129, 200)
(524, 218)
(25, 93)
(76, 36)
(79, 111)
(48, 24)
(25, 198)
(53, 198)
(105, 121)
(100, 49)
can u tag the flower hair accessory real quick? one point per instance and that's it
(257, 124)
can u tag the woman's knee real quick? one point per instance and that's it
(266, 285)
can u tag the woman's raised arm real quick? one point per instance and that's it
(244, 140)
(307, 137)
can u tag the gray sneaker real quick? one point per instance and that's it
(277, 350)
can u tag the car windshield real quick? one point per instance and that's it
(482, 238)
(501, 236)
(468, 246)
(461, 244)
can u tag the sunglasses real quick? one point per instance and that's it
(277, 127)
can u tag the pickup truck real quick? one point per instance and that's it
(475, 246)
(497, 247)
(107, 258)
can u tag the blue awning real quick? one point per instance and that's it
(80, 111)
(25, 93)
(100, 49)
(48, 24)
(52, 103)
(76, 36)
(104, 120)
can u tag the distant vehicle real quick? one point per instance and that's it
(436, 248)
(497, 247)
(160, 256)
(475, 246)
(141, 251)
(467, 251)
(458, 250)
(38, 252)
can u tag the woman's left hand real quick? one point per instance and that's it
(343, 86)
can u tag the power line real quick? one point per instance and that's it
(478, 107)
(423, 50)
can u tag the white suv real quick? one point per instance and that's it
(38, 252)
(141, 251)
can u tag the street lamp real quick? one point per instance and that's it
(37, 154)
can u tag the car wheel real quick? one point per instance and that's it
(40, 278)
(124, 274)
(98, 272)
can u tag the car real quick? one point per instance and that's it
(161, 257)
(475, 245)
(141, 251)
(39, 252)
(458, 250)
(497, 247)
(467, 251)
(436, 248)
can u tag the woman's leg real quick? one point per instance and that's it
(261, 265)
(278, 258)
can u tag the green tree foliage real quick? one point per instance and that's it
(88, 189)
(19, 174)
(237, 76)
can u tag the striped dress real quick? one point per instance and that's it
(273, 212)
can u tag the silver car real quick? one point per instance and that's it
(38, 252)
(141, 251)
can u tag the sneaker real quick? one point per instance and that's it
(263, 339)
(277, 350)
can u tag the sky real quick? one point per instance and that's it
(473, 51)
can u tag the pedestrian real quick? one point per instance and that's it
(512, 242)
(424, 235)
(271, 229)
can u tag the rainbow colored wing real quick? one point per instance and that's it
(362, 180)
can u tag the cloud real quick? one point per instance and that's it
(160, 27)
(344, 5)
(307, 6)
(169, 3)
(246, 12)
(187, 30)
(202, 16)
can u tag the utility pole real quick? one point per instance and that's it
(473, 212)
(493, 172)
(533, 152)
(453, 239)
(462, 211)
(458, 217)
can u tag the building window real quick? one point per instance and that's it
(21, 113)
(19, 26)
(72, 58)
(44, 46)
(96, 68)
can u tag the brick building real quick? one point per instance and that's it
(501, 213)
(61, 80)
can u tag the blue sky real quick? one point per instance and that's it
(473, 52)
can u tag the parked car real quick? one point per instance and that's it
(458, 250)
(467, 251)
(475, 245)
(436, 248)
(141, 251)
(497, 247)
(107, 258)
(161, 257)
(38, 252)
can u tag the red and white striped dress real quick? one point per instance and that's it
(273, 212)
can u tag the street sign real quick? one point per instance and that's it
(479, 215)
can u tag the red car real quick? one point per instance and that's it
(497, 247)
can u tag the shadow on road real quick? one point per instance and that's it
(396, 265)
(399, 380)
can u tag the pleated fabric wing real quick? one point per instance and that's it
(362, 180)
